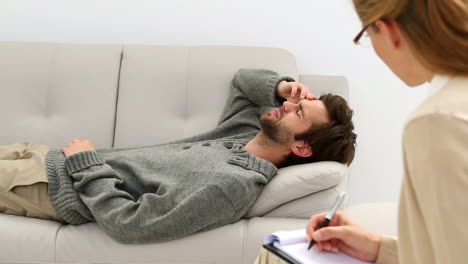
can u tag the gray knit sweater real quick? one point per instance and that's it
(168, 191)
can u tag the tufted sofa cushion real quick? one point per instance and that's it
(53, 92)
(169, 93)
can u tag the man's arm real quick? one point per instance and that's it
(251, 88)
(150, 218)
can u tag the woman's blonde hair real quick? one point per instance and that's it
(437, 30)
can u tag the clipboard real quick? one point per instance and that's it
(279, 253)
(291, 247)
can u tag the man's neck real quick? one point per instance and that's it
(266, 149)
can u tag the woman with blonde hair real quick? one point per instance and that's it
(420, 41)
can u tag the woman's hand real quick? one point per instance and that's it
(342, 234)
(77, 146)
(294, 91)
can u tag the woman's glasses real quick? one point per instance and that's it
(362, 38)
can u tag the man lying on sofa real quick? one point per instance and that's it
(163, 192)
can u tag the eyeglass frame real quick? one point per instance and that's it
(359, 35)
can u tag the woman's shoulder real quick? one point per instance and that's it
(439, 127)
(451, 102)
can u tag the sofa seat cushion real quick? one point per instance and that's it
(230, 244)
(295, 182)
(88, 243)
(27, 240)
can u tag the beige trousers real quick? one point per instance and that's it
(23, 181)
(266, 257)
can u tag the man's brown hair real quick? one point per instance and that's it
(333, 141)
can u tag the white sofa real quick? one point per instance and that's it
(144, 95)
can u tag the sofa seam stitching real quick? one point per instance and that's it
(117, 96)
(186, 90)
(55, 247)
(243, 240)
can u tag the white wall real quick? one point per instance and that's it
(319, 33)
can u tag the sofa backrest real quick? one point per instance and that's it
(125, 96)
(168, 93)
(52, 93)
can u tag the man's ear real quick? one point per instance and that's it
(301, 149)
(391, 31)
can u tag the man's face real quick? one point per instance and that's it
(282, 124)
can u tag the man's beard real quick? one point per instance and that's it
(275, 131)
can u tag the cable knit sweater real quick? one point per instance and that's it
(164, 192)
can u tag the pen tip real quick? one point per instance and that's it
(311, 244)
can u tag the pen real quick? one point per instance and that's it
(330, 214)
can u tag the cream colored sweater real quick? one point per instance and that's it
(433, 210)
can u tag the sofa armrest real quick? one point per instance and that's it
(311, 204)
(319, 84)
(294, 182)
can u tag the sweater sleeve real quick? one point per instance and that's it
(129, 220)
(388, 252)
(253, 88)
